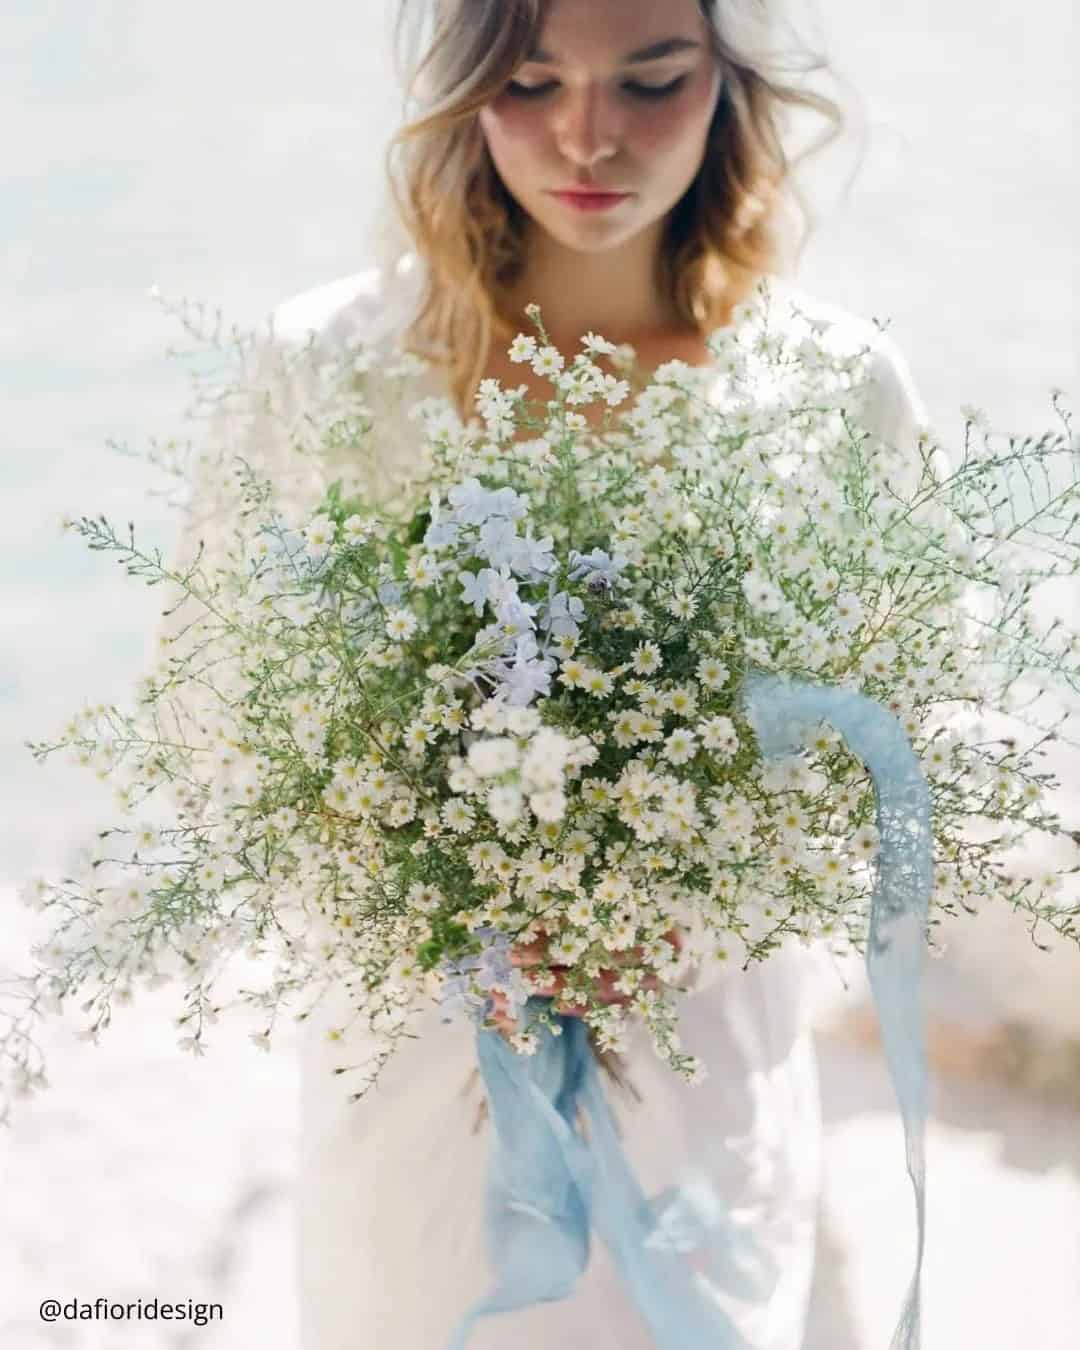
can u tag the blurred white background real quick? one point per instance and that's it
(230, 153)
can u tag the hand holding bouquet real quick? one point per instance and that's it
(612, 986)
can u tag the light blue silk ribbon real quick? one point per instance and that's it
(548, 1186)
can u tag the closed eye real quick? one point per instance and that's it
(632, 86)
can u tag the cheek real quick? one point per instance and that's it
(510, 129)
(680, 125)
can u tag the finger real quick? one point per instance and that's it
(675, 937)
(529, 953)
(611, 993)
(505, 1025)
(552, 985)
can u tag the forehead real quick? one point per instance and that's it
(610, 30)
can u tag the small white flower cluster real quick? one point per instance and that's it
(530, 768)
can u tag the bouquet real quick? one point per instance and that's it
(722, 667)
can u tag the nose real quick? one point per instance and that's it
(586, 132)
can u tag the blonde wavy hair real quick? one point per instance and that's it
(737, 221)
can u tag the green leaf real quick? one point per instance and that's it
(418, 527)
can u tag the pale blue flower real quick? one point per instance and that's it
(497, 541)
(493, 634)
(476, 587)
(533, 558)
(517, 613)
(561, 613)
(443, 534)
(490, 966)
(529, 675)
(391, 593)
(507, 502)
(474, 503)
(597, 567)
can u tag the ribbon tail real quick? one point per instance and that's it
(782, 713)
(537, 1196)
(671, 1298)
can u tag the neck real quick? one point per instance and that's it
(611, 293)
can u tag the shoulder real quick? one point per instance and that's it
(894, 406)
(369, 305)
(313, 310)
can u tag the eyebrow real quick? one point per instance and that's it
(650, 53)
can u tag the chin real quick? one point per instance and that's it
(593, 234)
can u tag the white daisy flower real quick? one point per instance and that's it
(581, 912)
(418, 736)
(847, 611)
(937, 757)
(565, 949)
(522, 721)
(719, 735)
(599, 683)
(880, 661)
(462, 779)
(356, 529)
(425, 898)
(648, 729)
(791, 821)
(401, 812)
(319, 537)
(680, 747)
(458, 815)
(548, 361)
(401, 624)
(831, 868)
(624, 729)
(423, 571)
(652, 701)
(597, 345)
(682, 606)
(712, 674)
(646, 659)
(1048, 882)
(761, 593)
(523, 348)
(574, 674)
(147, 837)
(682, 701)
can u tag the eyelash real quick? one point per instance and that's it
(638, 90)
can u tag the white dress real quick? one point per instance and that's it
(388, 1193)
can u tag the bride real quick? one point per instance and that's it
(531, 107)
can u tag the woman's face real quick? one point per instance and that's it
(581, 114)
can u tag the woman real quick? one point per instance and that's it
(671, 105)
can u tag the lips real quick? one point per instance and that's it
(591, 201)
